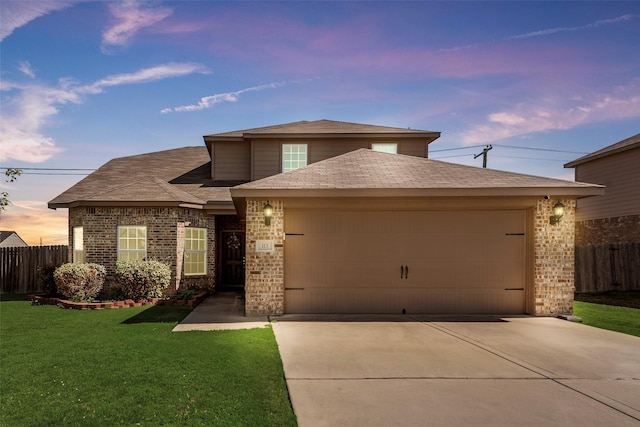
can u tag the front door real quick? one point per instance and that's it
(233, 253)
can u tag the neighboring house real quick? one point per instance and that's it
(615, 216)
(10, 239)
(333, 217)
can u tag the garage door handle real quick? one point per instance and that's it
(404, 271)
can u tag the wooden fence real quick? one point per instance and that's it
(20, 267)
(608, 267)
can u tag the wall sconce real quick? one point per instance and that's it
(268, 213)
(558, 213)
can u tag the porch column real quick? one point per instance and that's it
(264, 274)
(554, 258)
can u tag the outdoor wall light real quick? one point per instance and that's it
(268, 213)
(558, 213)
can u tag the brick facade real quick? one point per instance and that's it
(553, 248)
(264, 283)
(621, 229)
(165, 238)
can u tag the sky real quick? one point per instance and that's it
(83, 82)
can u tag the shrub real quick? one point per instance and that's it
(186, 294)
(46, 276)
(142, 279)
(79, 282)
(117, 294)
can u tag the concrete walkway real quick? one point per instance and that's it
(420, 370)
(220, 311)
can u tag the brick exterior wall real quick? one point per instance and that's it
(553, 260)
(264, 276)
(165, 238)
(553, 269)
(621, 229)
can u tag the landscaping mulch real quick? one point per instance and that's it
(101, 305)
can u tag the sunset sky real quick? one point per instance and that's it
(82, 82)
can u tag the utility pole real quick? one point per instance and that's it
(484, 155)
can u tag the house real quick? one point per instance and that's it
(10, 239)
(334, 217)
(615, 216)
(608, 226)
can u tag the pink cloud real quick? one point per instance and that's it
(130, 17)
(556, 114)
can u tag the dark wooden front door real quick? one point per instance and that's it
(233, 252)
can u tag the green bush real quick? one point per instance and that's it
(142, 279)
(186, 294)
(46, 276)
(79, 282)
(117, 294)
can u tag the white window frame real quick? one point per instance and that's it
(78, 245)
(195, 251)
(125, 251)
(292, 156)
(385, 147)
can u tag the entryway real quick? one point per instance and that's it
(231, 254)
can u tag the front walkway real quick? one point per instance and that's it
(224, 310)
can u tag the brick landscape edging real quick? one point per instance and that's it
(193, 302)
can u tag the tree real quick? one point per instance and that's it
(11, 175)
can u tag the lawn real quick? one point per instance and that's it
(614, 318)
(126, 367)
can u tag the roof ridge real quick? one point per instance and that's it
(175, 192)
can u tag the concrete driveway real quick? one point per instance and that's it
(423, 371)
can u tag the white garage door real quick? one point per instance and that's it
(413, 262)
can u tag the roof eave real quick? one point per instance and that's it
(123, 203)
(579, 192)
(429, 136)
(595, 156)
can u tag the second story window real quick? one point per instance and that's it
(294, 156)
(385, 147)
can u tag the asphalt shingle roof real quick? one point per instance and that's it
(181, 175)
(367, 169)
(618, 147)
(323, 127)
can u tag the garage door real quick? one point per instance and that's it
(412, 262)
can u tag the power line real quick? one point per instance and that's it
(531, 158)
(54, 174)
(509, 146)
(540, 149)
(457, 148)
(47, 169)
(450, 157)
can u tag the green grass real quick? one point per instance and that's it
(614, 318)
(126, 367)
(619, 298)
